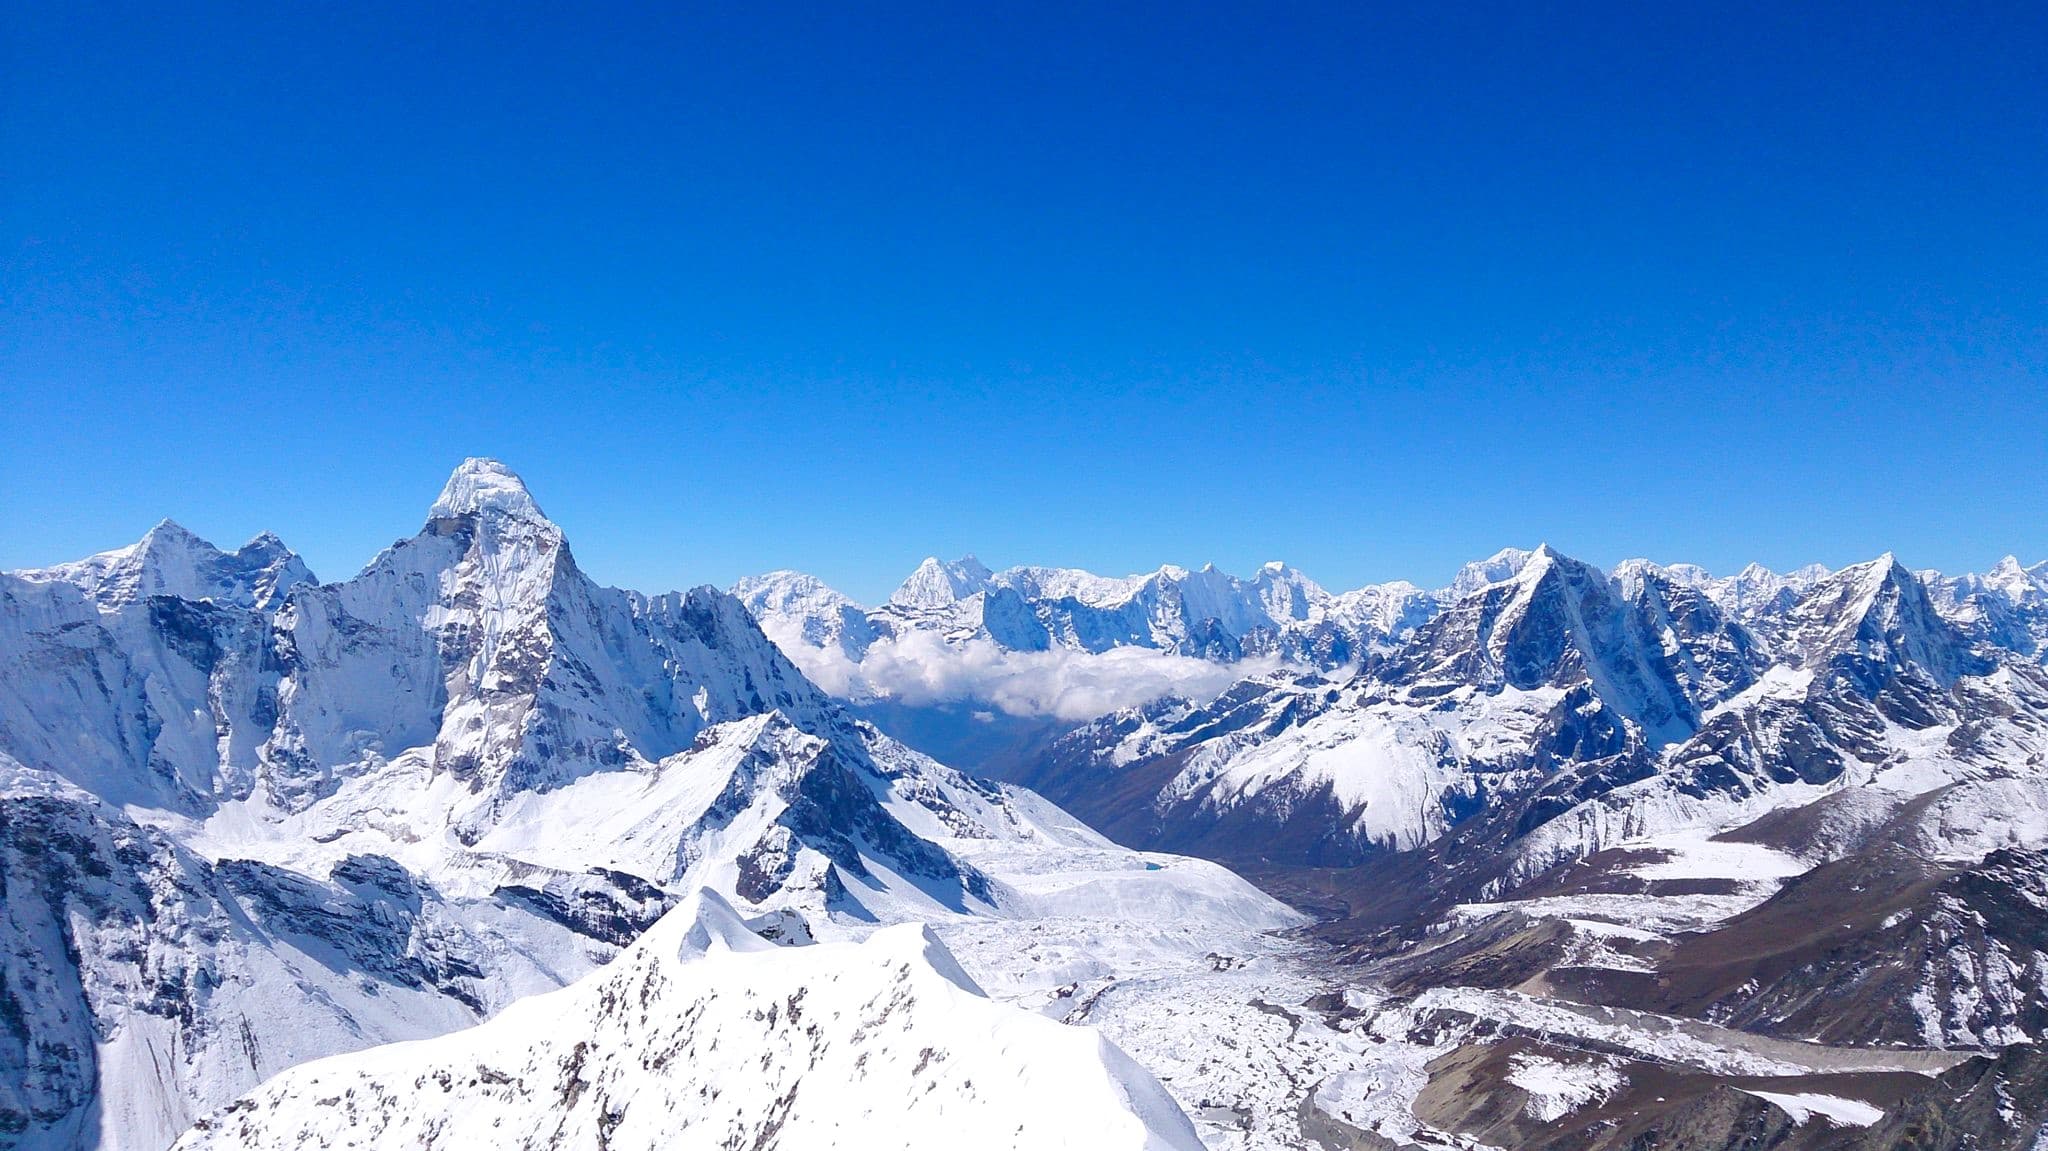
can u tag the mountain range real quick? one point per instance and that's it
(468, 848)
(248, 819)
(1279, 611)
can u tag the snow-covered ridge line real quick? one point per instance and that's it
(1212, 614)
(1066, 643)
(703, 1033)
(937, 583)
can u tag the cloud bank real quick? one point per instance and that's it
(922, 668)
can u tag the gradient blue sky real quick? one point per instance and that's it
(835, 287)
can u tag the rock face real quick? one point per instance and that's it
(704, 1034)
(248, 819)
(1882, 948)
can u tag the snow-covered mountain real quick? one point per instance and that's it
(704, 1034)
(1012, 642)
(1560, 672)
(1754, 592)
(248, 820)
(477, 638)
(146, 981)
(2006, 607)
(1279, 612)
(1205, 614)
(982, 667)
(172, 561)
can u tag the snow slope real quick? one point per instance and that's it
(702, 1034)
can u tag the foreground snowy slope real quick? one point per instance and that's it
(702, 1034)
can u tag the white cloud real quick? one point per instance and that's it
(922, 668)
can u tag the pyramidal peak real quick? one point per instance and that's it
(168, 542)
(1877, 571)
(1535, 568)
(936, 584)
(1499, 567)
(170, 532)
(2015, 579)
(483, 485)
(1545, 562)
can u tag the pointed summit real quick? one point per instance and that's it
(171, 560)
(1504, 564)
(1632, 574)
(1875, 619)
(167, 560)
(170, 533)
(2013, 579)
(936, 584)
(482, 484)
(1286, 594)
(268, 569)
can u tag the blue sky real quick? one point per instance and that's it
(758, 286)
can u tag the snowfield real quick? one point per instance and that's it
(702, 1034)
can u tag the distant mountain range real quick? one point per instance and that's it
(1278, 612)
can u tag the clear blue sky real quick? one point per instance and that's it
(1374, 289)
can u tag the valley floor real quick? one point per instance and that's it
(1278, 1039)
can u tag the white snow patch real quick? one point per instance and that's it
(1557, 1089)
(1702, 858)
(1833, 1108)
